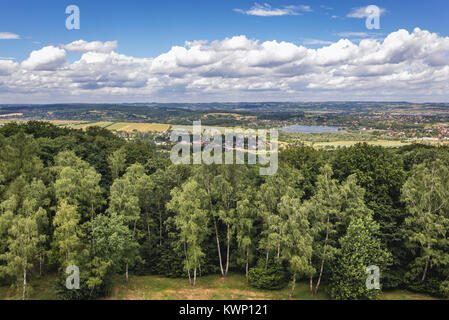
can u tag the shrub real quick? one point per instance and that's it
(272, 278)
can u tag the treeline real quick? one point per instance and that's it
(112, 207)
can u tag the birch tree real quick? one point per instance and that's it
(270, 195)
(23, 242)
(191, 219)
(124, 201)
(67, 234)
(246, 216)
(296, 240)
(426, 194)
(323, 209)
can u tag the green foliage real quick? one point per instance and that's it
(380, 172)
(191, 221)
(426, 194)
(359, 249)
(112, 206)
(272, 277)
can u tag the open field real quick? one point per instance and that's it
(326, 142)
(336, 144)
(120, 126)
(113, 126)
(208, 288)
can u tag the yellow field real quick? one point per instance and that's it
(113, 126)
(141, 127)
(65, 122)
(85, 125)
(336, 144)
(234, 115)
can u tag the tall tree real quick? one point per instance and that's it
(380, 172)
(285, 182)
(124, 201)
(67, 243)
(359, 248)
(426, 194)
(227, 187)
(205, 175)
(117, 163)
(78, 183)
(191, 219)
(297, 239)
(246, 218)
(23, 245)
(324, 211)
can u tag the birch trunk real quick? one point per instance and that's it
(194, 276)
(311, 285)
(324, 257)
(227, 251)
(427, 265)
(187, 259)
(311, 279)
(41, 263)
(293, 285)
(218, 248)
(247, 260)
(24, 283)
(126, 274)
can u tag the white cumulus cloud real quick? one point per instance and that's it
(403, 66)
(7, 67)
(48, 58)
(95, 46)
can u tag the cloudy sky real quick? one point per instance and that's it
(208, 50)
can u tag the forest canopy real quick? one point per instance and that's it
(114, 207)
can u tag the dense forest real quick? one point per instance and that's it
(114, 207)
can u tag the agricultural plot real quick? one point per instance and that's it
(337, 144)
(114, 126)
(141, 127)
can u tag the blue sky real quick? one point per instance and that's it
(151, 29)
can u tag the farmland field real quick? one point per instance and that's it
(336, 144)
(114, 126)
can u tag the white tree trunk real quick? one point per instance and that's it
(218, 248)
(427, 265)
(324, 257)
(24, 283)
(126, 272)
(293, 285)
(247, 263)
(194, 276)
(227, 251)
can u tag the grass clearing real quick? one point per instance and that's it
(404, 295)
(212, 287)
(41, 289)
